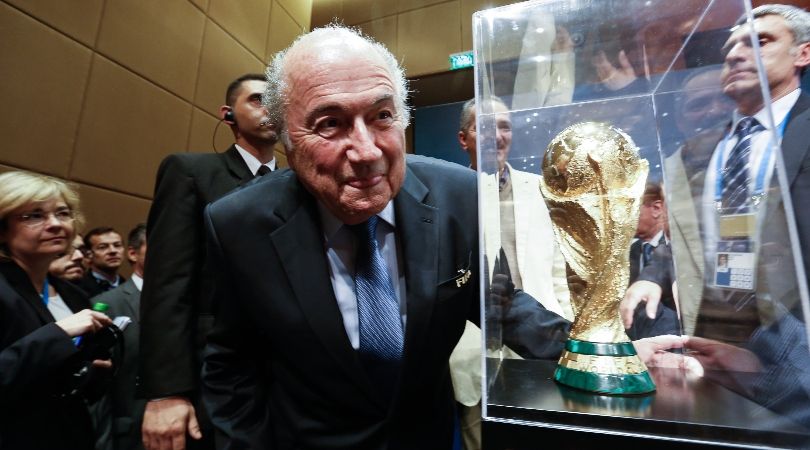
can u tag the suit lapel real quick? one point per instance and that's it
(131, 297)
(418, 235)
(521, 195)
(237, 166)
(300, 245)
(16, 282)
(797, 135)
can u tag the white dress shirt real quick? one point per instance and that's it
(339, 244)
(760, 142)
(138, 281)
(252, 162)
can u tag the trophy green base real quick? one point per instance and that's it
(605, 368)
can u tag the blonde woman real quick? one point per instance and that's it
(39, 317)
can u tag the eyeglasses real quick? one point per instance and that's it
(37, 219)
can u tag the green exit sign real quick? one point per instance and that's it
(461, 60)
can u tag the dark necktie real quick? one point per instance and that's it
(736, 196)
(104, 284)
(646, 254)
(377, 306)
(262, 171)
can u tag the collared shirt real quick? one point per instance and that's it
(252, 162)
(100, 277)
(654, 241)
(137, 280)
(58, 308)
(339, 244)
(760, 141)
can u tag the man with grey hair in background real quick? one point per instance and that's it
(764, 336)
(346, 289)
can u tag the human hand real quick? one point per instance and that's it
(102, 363)
(614, 78)
(501, 290)
(653, 351)
(83, 322)
(640, 291)
(165, 423)
(716, 355)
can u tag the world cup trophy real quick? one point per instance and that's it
(593, 180)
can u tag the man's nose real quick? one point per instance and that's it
(363, 147)
(736, 53)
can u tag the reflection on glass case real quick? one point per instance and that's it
(642, 260)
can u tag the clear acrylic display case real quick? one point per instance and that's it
(655, 70)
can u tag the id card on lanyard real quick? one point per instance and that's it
(735, 256)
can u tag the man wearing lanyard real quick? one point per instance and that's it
(742, 164)
(737, 328)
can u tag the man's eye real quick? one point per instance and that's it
(384, 115)
(328, 127)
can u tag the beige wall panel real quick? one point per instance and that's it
(384, 31)
(128, 126)
(323, 11)
(223, 59)
(103, 207)
(408, 5)
(158, 39)
(468, 7)
(80, 23)
(202, 133)
(281, 156)
(44, 77)
(202, 4)
(426, 37)
(359, 11)
(246, 20)
(300, 10)
(283, 30)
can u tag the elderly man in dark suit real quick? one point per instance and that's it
(344, 284)
(176, 311)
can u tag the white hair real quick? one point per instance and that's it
(276, 96)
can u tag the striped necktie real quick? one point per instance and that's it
(736, 195)
(381, 336)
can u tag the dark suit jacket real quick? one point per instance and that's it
(280, 372)
(635, 257)
(176, 310)
(127, 409)
(796, 153)
(36, 359)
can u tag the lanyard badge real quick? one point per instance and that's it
(735, 256)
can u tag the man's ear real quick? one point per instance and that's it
(658, 208)
(132, 255)
(802, 55)
(462, 141)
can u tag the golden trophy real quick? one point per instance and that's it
(593, 179)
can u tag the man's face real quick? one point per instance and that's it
(703, 105)
(467, 138)
(69, 266)
(249, 113)
(348, 141)
(503, 133)
(781, 58)
(650, 220)
(106, 252)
